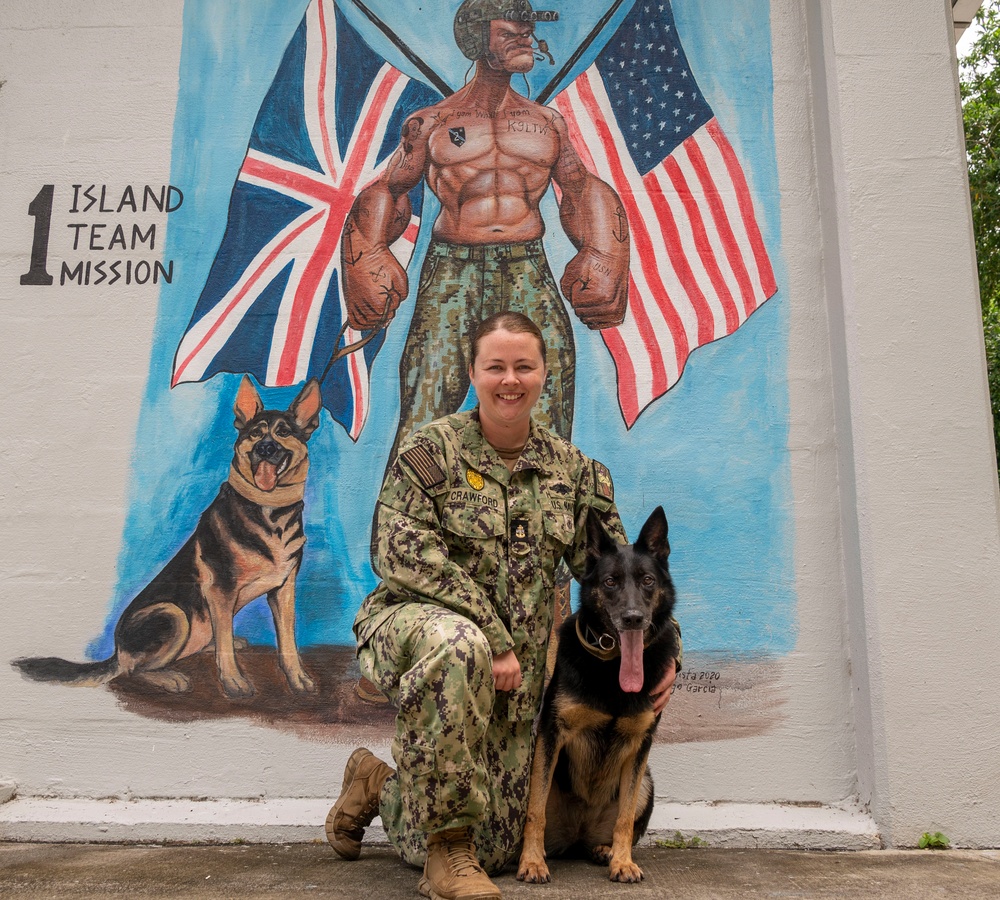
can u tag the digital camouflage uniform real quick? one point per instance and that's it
(467, 553)
(460, 285)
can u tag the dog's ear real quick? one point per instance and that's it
(248, 403)
(598, 542)
(306, 407)
(653, 537)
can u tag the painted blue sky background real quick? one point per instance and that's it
(712, 451)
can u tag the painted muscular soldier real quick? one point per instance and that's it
(489, 155)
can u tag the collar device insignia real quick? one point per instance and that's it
(603, 646)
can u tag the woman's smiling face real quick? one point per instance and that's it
(507, 373)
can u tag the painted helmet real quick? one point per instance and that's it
(472, 22)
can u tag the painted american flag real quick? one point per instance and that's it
(699, 266)
(272, 305)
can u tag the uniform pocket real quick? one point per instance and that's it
(476, 522)
(474, 536)
(428, 271)
(436, 778)
(558, 523)
(542, 275)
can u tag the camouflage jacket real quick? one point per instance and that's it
(455, 527)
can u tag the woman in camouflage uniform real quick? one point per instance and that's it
(474, 516)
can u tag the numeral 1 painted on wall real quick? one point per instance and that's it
(41, 209)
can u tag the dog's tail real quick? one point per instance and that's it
(54, 670)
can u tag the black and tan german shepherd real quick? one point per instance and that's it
(590, 784)
(248, 543)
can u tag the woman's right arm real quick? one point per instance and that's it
(413, 558)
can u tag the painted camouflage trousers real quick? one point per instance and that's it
(459, 761)
(459, 287)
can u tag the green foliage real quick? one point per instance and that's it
(980, 84)
(682, 843)
(936, 841)
(991, 331)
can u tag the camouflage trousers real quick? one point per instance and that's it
(460, 285)
(459, 760)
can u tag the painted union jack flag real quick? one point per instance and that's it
(273, 302)
(699, 266)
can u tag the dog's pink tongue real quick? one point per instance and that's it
(266, 475)
(630, 675)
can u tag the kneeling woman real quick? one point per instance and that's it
(474, 516)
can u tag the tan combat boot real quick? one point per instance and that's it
(452, 870)
(357, 804)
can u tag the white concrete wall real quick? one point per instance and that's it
(886, 699)
(917, 466)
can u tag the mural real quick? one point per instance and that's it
(247, 544)
(395, 188)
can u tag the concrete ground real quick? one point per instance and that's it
(248, 872)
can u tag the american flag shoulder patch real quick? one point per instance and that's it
(424, 466)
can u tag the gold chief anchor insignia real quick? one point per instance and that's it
(475, 480)
(519, 536)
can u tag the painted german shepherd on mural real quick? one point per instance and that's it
(248, 543)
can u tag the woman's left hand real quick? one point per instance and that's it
(661, 693)
(506, 671)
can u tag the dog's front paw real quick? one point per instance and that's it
(625, 871)
(533, 871)
(601, 854)
(167, 680)
(236, 687)
(300, 682)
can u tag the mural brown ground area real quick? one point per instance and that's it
(714, 698)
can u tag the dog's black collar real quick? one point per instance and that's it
(603, 646)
